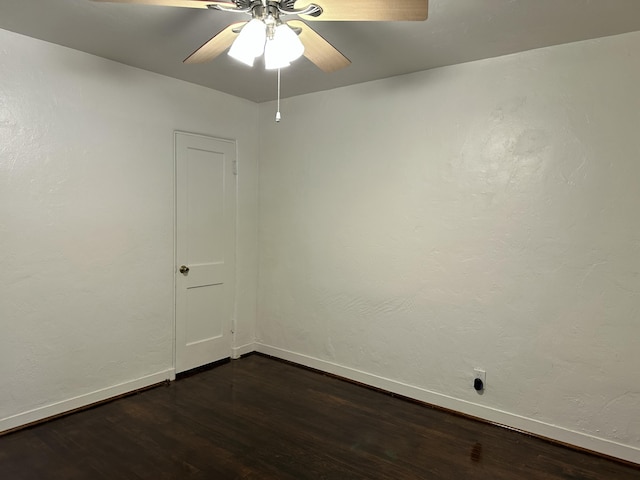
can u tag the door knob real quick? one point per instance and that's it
(184, 269)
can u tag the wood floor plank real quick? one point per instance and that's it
(258, 418)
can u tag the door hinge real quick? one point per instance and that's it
(235, 167)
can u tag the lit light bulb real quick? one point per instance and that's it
(284, 48)
(250, 42)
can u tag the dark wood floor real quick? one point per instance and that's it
(258, 418)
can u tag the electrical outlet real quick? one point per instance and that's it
(482, 375)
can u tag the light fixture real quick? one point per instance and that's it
(267, 34)
(250, 42)
(283, 48)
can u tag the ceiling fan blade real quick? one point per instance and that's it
(214, 47)
(173, 3)
(368, 10)
(318, 50)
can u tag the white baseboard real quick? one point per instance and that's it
(553, 432)
(80, 401)
(237, 352)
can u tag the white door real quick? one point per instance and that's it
(205, 249)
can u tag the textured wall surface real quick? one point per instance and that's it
(86, 219)
(483, 215)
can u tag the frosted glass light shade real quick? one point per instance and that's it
(283, 49)
(250, 42)
(273, 57)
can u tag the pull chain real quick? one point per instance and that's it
(278, 112)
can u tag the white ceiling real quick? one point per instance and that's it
(159, 38)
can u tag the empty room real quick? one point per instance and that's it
(341, 239)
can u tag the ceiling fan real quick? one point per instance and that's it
(281, 40)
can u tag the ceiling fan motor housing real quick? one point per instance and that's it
(261, 9)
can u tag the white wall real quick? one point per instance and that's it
(484, 215)
(86, 223)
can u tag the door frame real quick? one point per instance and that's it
(175, 241)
